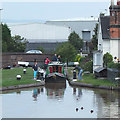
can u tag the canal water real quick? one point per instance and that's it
(60, 101)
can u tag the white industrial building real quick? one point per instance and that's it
(41, 35)
(48, 35)
(84, 27)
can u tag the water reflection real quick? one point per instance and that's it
(78, 95)
(36, 92)
(107, 102)
(55, 90)
(42, 102)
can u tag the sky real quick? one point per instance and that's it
(32, 11)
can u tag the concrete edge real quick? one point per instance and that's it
(92, 86)
(22, 86)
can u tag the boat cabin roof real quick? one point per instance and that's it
(55, 64)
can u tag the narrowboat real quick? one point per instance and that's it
(55, 73)
(55, 90)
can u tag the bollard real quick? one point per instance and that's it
(38, 75)
(24, 71)
(74, 74)
(18, 77)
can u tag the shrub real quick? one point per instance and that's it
(78, 58)
(88, 66)
(107, 58)
(114, 65)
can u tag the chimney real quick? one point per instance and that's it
(118, 2)
(112, 2)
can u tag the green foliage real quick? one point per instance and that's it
(6, 38)
(67, 52)
(114, 65)
(12, 44)
(78, 58)
(94, 43)
(41, 49)
(19, 43)
(107, 58)
(89, 66)
(85, 60)
(75, 40)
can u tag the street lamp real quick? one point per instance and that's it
(0, 40)
(0, 14)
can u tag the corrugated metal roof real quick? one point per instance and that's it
(38, 31)
(99, 69)
(77, 26)
(78, 19)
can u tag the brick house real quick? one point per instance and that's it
(108, 35)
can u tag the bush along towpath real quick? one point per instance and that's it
(9, 80)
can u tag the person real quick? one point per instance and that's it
(55, 57)
(46, 62)
(79, 72)
(59, 58)
(35, 94)
(35, 69)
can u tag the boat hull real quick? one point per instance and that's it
(55, 79)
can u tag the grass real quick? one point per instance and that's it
(9, 77)
(90, 79)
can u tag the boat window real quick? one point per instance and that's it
(60, 69)
(51, 69)
(55, 68)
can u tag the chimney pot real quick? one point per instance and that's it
(118, 2)
(112, 2)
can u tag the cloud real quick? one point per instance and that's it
(55, 0)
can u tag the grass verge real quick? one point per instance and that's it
(90, 79)
(9, 77)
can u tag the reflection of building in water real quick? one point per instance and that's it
(79, 92)
(119, 105)
(74, 91)
(55, 90)
(107, 104)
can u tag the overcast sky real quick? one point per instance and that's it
(40, 11)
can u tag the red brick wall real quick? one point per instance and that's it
(112, 18)
(13, 58)
(115, 20)
(115, 33)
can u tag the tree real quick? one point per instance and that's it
(95, 38)
(6, 38)
(19, 43)
(107, 58)
(12, 44)
(67, 52)
(41, 49)
(75, 40)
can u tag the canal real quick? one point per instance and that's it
(60, 101)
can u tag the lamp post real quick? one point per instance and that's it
(0, 14)
(0, 40)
